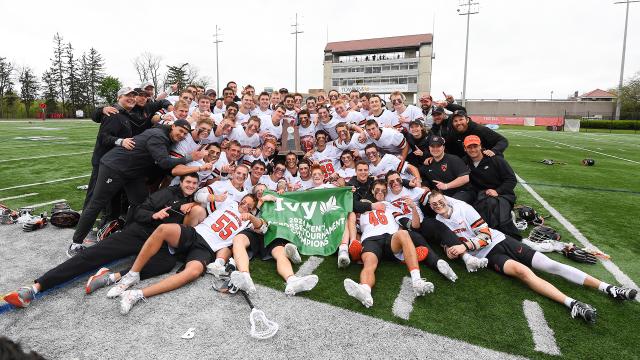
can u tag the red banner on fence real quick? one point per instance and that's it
(517, 120)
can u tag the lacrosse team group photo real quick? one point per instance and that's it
(273, 180)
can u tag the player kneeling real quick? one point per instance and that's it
(382, 237)
(513, 258)
(198, 244)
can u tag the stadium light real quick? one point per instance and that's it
(296, 32)
(624, 47)
(217, 41)
(468, 11)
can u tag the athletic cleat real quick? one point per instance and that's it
(297, 284)
(473, 263)
(121, 286)
(622, 293)
(74, 249)
(359, 292)
(130, 298)
(292, 253)
(446, 270)
(20, 298)
(243, 281)
(216, 269)
(343, 258)
(355, 250)
(585, 311)
(99, 280)
(422, 287)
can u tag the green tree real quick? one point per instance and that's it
(28, 87)
(108, 89)
(630, 98)
(11, 101)
(72, 80)
(96, 74)
(57, 70)
(177, 75)
(50, 91)
(6, 80)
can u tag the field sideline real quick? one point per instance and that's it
(46, 161)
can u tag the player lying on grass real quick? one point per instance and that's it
(166, 206)
(513, 258)
(198, 245)
(281, 250)
(382, 238)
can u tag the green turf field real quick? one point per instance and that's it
(483, 308)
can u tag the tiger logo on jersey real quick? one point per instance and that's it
(443, 167)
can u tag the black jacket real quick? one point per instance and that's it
(490, 139)
(169, 196)
(152, 148)
(118, 127)
(141, 119)
(362, 193)
(422, 144)
(493, 173)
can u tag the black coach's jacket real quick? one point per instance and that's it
(142, 115)
(119, 127)
(152, 148)
(170, 196)
(362, 197)
(493, 173)
(490, 139)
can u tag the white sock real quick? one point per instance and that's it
(75, 246)
(133, 274)
(34, 289)
(112, 277)
(291, 278)
(415, 274)
(603, 286)
(568, 301)
(343, 247)
(219, 261)
(367, 287)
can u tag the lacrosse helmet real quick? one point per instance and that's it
(528, 214)
(109, 228)
(588, 162)
(542, 233)
(520, 223)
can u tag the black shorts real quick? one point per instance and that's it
(256, 243)
(509, 249)
(193, 247)
(379, 245)
(272, 245)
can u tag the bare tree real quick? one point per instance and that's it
(148, 66)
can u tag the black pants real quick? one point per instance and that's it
(108, 183)
(496, 211)
(117, 246)
(419, 240)
(438, 233)
(91, 186)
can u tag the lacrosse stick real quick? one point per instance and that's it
(261, 327)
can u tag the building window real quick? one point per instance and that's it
(335, 82)
(404, 67)
(375, 69)
(413, 66)
(412, 79)
(402, 80)
(395, 67)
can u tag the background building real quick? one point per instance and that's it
(380, 66)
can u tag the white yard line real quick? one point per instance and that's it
(44, 182)
(46, 203)
(578, 147)
(47, 156)
(309, 266)
(621, 277)
(18, 196)
(403, 304)
(543, 336)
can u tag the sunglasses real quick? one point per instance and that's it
(396, 101)
(436, 204)
(378, 191)
(371, 153)
(279, 169)
(393, 181)
(203, 130)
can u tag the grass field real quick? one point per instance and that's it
(483, 308)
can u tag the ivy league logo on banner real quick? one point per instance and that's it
(313, 220)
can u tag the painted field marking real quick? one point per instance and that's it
(45, 203)
(47, 156)
(309, 266)
(621, 277)
(44, 182)
(403, 304)
(543, 336)
(578, 147)
(18, 196)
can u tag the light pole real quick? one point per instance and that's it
(624, 47)
(217, 41)
(551, 95)
(296, 32)
(467, 12)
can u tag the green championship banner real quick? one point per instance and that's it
(313, 220)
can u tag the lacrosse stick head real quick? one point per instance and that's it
(261, 327)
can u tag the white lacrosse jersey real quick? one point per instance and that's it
(221, 226)
(353, 117)
(222, 161)
(328, 159)
(307, 137)
(353, 144)
(386, 119)
(291, 116)
(329, 127)
(347, 173)
(466, 223)
(271, 185)
(378, 222)
(216, 188)
(418, 195)
(273, 131)
(203, 175)
(390, 141)
(365, 113)
(249, 159)
(238, 133)
(412, 112)
(259, 112)
(242, 118)
(389, 162)
(184, 147)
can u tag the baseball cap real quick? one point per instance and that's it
(472, 139)
(283, 91)
(458, 113)
(436, 140)
(146, 84)
(140, 91)
(125, 91)
(210, 92)
(415, 122)
(437, 110)
(183, 124)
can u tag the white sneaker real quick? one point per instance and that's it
(359, 292)
(216, 269)
(130, 298)
(473, 263)
(243, 281)
(343, 258)
(297, 284)
(422, 287)
(125, 282)
(292, 253)
(446, 270)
